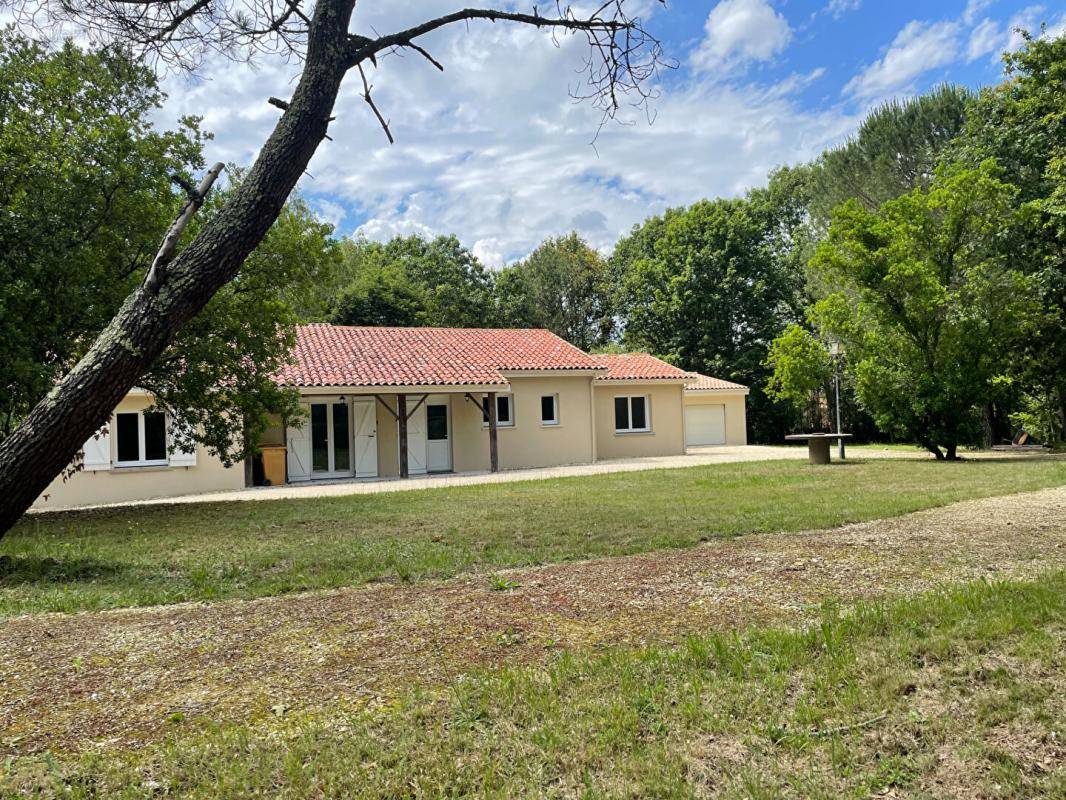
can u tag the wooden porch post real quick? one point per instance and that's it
(401, 418)
(494, 454)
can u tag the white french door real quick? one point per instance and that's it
(331, 439)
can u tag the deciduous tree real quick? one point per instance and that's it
(929, 309)
(563, 286)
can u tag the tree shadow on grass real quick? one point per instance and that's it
(22, 570)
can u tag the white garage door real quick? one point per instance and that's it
(704, 425)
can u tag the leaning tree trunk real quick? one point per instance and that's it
(55, 430)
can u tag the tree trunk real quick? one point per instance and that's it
(55, 430)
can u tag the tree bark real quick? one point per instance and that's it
(55, 430)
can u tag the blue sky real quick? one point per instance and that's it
(494, 150)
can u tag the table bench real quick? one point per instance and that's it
(817, 444)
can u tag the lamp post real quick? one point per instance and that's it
(836, 351)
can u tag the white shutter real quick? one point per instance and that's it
(179, 457)
(416, 440)
(298, 441)
(97, 451)
(366, 443)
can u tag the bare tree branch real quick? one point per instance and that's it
(374, 108)
(167, 250)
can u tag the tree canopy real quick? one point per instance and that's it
(85, 196)
(563, 285)
(98, 177)
(411, 280)
(928, 309)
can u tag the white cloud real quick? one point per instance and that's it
(974, 9)
(495, 151)
(838, 8)
(984, 39)
(739, 31)
(918, 48)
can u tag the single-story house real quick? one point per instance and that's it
(395, 402)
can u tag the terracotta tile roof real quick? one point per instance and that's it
(637, 367)
(335, 355)
(705, 383)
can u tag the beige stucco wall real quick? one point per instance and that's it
(736, 423)
(667, 436)
(528, 443)
(120, 484)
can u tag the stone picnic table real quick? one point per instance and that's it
(817, 444)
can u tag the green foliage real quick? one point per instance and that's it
(412, 281)
(708, 287)
(85, 197)
(896, 149)
(929, 309)
(1021, 123)
(802, 367)
(563, 286)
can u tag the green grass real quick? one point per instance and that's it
(956, 693)
(164, 554)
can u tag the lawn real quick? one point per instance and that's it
(958, 693)
(164, 554)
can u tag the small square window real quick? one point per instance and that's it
(141, 437)
(549, 409)
(503, 411)
(631, 414)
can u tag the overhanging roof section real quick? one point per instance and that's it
(446, 358)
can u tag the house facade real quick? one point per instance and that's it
(399, 402)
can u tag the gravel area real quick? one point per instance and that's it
(128, 676)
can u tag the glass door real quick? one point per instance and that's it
(331, 439)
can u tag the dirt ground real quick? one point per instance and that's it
(125, 677)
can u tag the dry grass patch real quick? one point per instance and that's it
(955, 693)
(132, 676)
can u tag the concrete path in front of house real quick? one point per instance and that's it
(695, 457)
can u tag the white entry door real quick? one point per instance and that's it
(416, 437)
(438, 435)
(704, 425)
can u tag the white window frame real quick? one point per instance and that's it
(142, 461)
(629, 409)
(554, 421)
(509, 397)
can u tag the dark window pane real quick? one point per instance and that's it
(503, 409)
(319, 438)
(621, 413)
(640, 417)
(547, 408)
(485, 410)
(437, 423)
(127, 437)
(341, 455)
(155, 436)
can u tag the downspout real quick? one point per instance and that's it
(592, 416)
